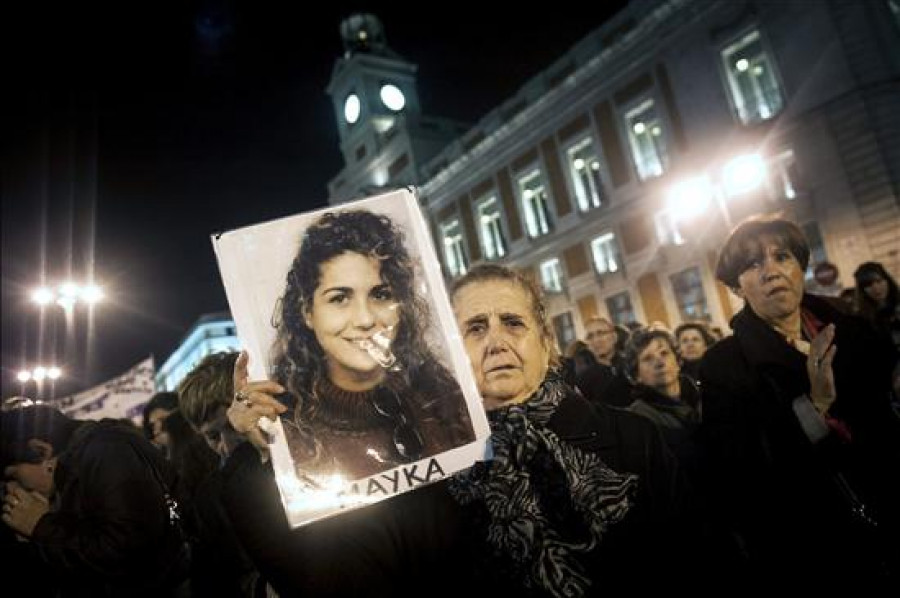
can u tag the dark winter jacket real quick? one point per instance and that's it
(781, 497)
(108, 532)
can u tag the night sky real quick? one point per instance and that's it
(142, 128)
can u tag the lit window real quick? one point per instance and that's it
(551, 276)
(817, 253)
(493, 241)
(534, 203)
(620, 308)
(667, 229)
(564, 327)
(752, 80)
(454, 254)
(689, 295)
(783, 178)
(584, 167)
(605, 253)
(648, 143)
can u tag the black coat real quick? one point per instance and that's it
(424, 543)
(606, 385)
(410, 544)
(108, 532)
(776, 493)
(660, 531)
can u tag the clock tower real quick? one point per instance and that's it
(384, 138)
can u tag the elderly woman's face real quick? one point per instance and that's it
(773, 284)
(503, 340)
(351, 306)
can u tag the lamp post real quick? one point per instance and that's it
(66, 295)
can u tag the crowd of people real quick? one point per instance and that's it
(637, 459)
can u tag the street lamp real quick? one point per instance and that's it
(743, 174)
(68, 294)
(40, 373)
(691, 197)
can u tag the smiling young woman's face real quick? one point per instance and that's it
(773, 282)
(350, 306)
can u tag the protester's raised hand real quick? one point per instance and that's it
(818, 368)
(252, 402)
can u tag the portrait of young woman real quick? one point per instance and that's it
(365, 391)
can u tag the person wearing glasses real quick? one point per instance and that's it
(801, 444)
(605, 380)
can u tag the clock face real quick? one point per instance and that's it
(392, 97)
(351, 108)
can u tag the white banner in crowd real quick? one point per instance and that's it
(346, 308)
(122, 397)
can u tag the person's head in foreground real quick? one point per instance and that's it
(501, 318)
(33, 436)
(763, 261)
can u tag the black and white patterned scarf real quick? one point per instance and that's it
(510, 485)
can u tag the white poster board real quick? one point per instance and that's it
(325, 321)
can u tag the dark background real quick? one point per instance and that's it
(133, 131)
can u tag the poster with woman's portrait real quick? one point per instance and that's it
(345, 308)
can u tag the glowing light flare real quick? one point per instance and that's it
(66, 303)
(91, 294)
(54, 373)
(24, 376)
(69, 289)
(690, 198)
(743, 174)
(42, 296)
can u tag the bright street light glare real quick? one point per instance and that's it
(39, 373)
(690, 198)
(66, 303)
(69, 289)
(744, 174)
(24, 376)
(42, 296)
(91, 294)
(54, 372)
